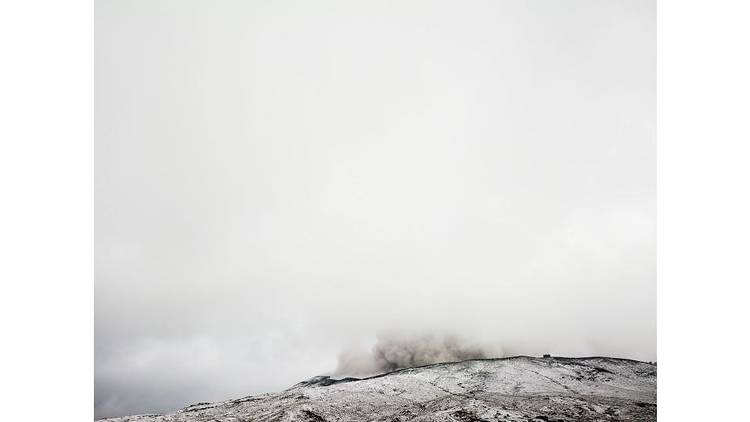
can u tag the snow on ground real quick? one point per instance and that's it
(509, 389)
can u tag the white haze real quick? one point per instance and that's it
(281, 183)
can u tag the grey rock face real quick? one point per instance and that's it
(510, 389)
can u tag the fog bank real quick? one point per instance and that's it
(391, 353)
(279, 184)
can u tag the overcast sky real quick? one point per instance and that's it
(280, 182)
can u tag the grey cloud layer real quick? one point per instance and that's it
(277, 183)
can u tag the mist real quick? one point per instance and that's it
(289, 189)
(392, 353)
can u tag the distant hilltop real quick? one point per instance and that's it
(518, 388)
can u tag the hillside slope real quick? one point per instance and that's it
(509, 389)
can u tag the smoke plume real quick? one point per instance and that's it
(396, 352)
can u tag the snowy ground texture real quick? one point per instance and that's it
(509, 389)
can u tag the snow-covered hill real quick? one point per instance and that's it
(509, 389)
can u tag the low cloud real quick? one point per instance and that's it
(276, 185)
(396, 352)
